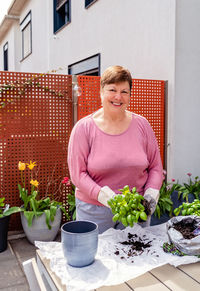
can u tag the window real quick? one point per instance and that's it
(5, 57)
(62, 13)
(87, 67)
(89, 2)
(26, 30)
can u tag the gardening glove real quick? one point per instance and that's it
(105, 194)
(152, 196)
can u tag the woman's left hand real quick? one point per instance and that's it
(152, 196)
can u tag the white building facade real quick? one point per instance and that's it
(154, 39)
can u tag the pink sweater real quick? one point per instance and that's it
(98, 159)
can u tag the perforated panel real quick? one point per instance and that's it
(89, 101)
(147, 99)
(36, 121)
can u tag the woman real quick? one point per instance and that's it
(112, 148)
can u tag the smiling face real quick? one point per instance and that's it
(115, 97)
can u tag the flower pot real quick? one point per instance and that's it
(4, 223)
(79, 242)
(176, 203)
(163, 218)
(39, 230)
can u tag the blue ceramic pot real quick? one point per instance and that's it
(79, 242)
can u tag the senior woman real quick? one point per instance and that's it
(111, 148)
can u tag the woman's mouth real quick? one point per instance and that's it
(116, 103)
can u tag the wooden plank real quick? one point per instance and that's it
(52, 276)
(192, 270)
(121, 287)
(146, 282)
(174, 278)
(33, 275)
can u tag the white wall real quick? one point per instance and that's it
(10, 38)
(38, 60)
(186, 127)
(133, 33)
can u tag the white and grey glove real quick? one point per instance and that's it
(152, 196)
(105, 194)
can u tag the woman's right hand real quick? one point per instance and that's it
(105, 194)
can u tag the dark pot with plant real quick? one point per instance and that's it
(168, 200)
(187, 192)
(5, 213)
(4, 222)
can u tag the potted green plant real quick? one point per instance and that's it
(40, 218)
(189, 191)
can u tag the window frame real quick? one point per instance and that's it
(27, 21)
(89, 69)
(90, 4)
(57, 15)
(5, 50)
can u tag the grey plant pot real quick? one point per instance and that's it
(39, 230)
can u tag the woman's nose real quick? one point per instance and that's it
(118, 95)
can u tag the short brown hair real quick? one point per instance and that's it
(116, 74)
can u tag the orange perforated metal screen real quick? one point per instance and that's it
(89, 101)
(147, 99)
(36, 121)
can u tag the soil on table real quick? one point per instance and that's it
(136, 244)
(186, 228)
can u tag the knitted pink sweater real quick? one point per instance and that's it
(98, 159)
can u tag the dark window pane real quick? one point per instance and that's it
(62, 13)
(88, 2)
(5, 57)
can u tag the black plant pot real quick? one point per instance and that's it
(155, 220)
(176, 203)
(4, 222)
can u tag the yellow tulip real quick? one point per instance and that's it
(21, 166)
(34, 183)
(31, 165)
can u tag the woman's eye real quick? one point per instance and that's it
(112, 90)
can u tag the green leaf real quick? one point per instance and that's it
(12, 210)
(74, 215)
(33, 206)
(47, 213)
(53, 210)
(29, 216)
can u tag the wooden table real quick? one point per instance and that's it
(167, 277)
